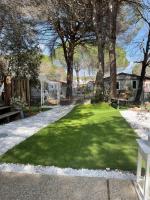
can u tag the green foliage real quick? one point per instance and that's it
(51, 70)
(26, 64)
(137, 69)
(95, 100)
(89, 55)
(19, 46)
(33, 110)
(91, 136)
(46, 59)
(17, 102)
(120, 58)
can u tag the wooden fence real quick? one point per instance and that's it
(16, 88)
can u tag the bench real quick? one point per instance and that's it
(65, 102)
(117, 102)
(9, 114)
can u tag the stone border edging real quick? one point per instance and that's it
(51, 170)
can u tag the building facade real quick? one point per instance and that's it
(127, 86)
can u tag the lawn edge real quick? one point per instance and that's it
(52, 170)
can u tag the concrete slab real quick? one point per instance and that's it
(121, 190)
(15, 186)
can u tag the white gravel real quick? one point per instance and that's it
(15, 132)
(51, 170)
(139, 121)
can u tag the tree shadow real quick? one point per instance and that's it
(80, 141)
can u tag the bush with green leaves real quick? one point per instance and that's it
(17, 102)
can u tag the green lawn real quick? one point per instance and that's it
(91, 136)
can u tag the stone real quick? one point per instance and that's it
(41, 187)
(122, 190)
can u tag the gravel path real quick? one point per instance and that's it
(140, 121)
(15, 132)
(14, 186)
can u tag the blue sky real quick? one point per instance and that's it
(133, 51)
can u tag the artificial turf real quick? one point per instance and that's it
(90, 136)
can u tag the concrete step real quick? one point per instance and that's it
(121, 190)
(46, 187)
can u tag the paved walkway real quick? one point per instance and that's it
(15, 186)
(138, 120)
(15, 132)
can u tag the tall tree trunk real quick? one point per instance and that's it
(99, 84)
(113, 7)
(140, 86)
(98, 24)
(68, 54)
(143, 71)
(69, 77)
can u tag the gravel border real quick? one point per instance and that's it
(139, 121)
(15, 132)
(51, 170)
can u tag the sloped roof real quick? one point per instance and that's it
(127, 74)
(133, 75)
(127, 71)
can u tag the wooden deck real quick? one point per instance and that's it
(4, 107)
(7, 113)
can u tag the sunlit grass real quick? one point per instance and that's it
(91, 136)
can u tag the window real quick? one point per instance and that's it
(134, 84)
(118, 85)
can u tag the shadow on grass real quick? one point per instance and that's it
(82, 139)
